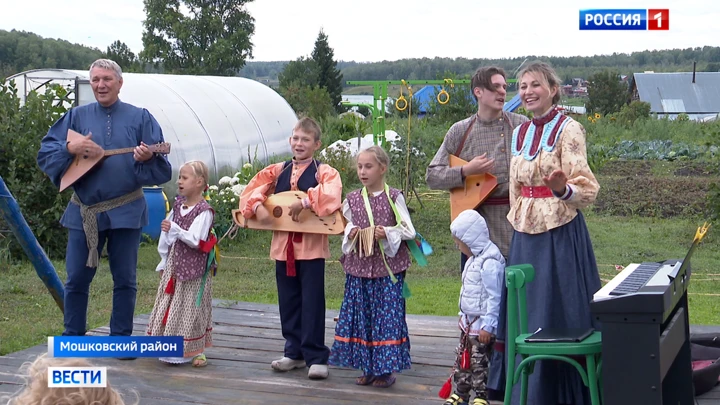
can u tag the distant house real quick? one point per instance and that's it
(580, 91)
(696, 94)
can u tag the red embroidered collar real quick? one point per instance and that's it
(543, 133)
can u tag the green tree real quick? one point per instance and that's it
(713, 67)
(303, 70)
(606, 93)
(460, 102)
(329, 76)
(20, 51)
(636, 110)
(198, 36)
(310, 101)
(121, 53)
(22, 127)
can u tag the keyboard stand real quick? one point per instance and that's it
(646, 360)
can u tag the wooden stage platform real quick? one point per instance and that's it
(246, 339)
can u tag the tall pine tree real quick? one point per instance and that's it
(329, 76)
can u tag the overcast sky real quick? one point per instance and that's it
(375, 30)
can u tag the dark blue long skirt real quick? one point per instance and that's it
(371, 334)
(566, 277)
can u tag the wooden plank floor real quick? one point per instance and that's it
(246, 339)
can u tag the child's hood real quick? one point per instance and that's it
(470, 227)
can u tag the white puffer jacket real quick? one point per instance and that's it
(483, 276)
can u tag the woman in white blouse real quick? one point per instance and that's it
(550, 181)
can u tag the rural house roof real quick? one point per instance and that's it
(675, 93)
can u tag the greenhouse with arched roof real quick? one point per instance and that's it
(223, 121)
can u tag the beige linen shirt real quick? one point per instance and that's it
(538, 215)
(491, 137)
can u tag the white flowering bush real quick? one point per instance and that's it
(224, 197)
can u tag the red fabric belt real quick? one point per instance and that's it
(290, 252)
(536, 192)
(497, 201)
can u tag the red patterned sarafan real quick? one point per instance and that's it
(188, 263)
(373, 266)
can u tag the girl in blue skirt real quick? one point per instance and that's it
(371, 333)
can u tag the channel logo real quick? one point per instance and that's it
(653, 19)
(81, 377)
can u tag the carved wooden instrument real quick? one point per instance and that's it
(83, 163)
(476, 190)
(280, 220)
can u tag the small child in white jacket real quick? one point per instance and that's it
(482, 281)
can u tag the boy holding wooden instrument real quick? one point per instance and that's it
(299, 257)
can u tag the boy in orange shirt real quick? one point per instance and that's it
(299, 257)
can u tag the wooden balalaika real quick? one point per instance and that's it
(280, 220)
(475, 191)
(477, 187)
(84, 163)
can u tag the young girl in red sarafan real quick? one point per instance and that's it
(183, 305)
(372, 334)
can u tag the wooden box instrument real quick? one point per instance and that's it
(84, 163)
(476, 190)
(280, 220)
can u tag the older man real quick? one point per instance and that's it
(107, 205)
(483, 140)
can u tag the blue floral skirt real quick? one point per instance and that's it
(371, 334)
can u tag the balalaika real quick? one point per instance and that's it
(643, 315)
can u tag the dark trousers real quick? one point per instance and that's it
(122, 248)
(302, 310)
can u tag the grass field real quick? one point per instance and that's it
(28, 314)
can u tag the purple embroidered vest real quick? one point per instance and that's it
(373, 266)
(188, 263)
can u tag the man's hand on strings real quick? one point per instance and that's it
(85, 147)
(478, 165)
(295, 210)
(353, 232)
(142, 153)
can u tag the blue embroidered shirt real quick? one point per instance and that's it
(119, 126)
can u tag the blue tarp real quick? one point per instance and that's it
(424, 96)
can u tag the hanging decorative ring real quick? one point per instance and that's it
(443, 97)
(401, 103)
